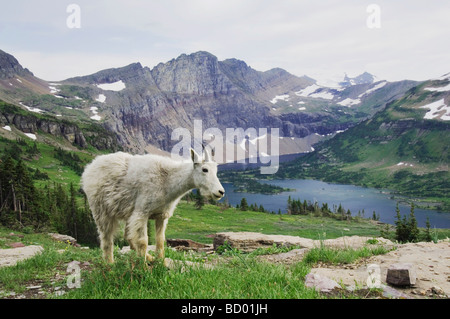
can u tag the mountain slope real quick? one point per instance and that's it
(404, 147)
(142, 106)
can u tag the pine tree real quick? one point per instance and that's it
(199, 200)
(427, 230)
(244, 204)
(412, 226)
(400, 230)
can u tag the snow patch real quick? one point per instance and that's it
(32, 109)
(440, 89)
(53, 89)
(311, 90)
(101, 98)
(284, 97)
(302, 108)
(308, 90)
(436, 110)
(376, 87)
(7, 127)
(405, 164)
(349, 102)
(31, 135)
(116, 86)
(322, 95)
(94, 110)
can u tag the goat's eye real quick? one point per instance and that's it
(205, 170)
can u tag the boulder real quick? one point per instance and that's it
(64, 238)
(320, 283)
(249, 241)
(9, 257)
(401, 274)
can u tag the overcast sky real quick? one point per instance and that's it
(321, 38)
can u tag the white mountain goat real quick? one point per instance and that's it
(135, 188)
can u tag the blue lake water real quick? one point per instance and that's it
(351, 197)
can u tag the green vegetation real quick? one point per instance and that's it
(397, 150)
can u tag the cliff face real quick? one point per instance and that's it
(10, 67)
(224, 94)
(141, 106)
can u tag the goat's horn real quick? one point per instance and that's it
(207, 155)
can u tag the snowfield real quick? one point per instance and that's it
(311, 90)
(440, 89)
(101, 98)
(284, 97)
(349, 102)
(438, 109)
(376, 87)
(95, 117)
(116, 86)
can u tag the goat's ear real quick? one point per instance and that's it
(195, 157)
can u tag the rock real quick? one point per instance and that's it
(392, 293)
(187, 244)
(321, 283)
(16, 245)
(249, 241)
(9, 257)
(401, 274)
(34, 287)
(65, 239)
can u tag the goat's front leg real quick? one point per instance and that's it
(136, 234)
(160, 225)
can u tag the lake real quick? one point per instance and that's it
(351, 197)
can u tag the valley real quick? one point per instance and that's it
(362, 131)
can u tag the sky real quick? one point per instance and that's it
(394, 40)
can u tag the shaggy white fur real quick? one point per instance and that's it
(135, 188)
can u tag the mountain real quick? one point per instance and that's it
(364, 78)
(142, 106)
(9, 67)
(404, 147)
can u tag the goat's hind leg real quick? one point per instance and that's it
(136, 234)
(107, 231)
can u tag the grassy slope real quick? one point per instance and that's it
(368, 154)
(242, 276)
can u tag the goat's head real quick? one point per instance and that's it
(205, 175)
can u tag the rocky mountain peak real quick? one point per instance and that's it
(111, 75)
(10, 67)
(364, 78)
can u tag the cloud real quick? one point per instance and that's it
(320, 38)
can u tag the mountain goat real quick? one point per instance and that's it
(135, 188)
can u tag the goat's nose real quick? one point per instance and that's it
(222, 192)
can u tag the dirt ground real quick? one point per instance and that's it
(431, 262)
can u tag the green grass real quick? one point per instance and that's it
(235, 275)
(199, 225)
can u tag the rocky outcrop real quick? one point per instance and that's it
(9, 257)
(248, 241)
(29, 123)
(224, 94)
(10, 67)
